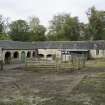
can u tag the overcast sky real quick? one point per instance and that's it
(45, 9)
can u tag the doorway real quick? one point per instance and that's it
(23, 58)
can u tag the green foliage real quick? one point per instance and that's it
(96, 24)
(19, 30)
(84, 32)
(37, 30)
(1, 24)
(4, 37)
(39, 34)
(64, 27)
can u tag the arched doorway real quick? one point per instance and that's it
(33, 54)
(7, 57)
(40, 56)
(23, 57)
(28, 54)
(16, 55)
(49, 57)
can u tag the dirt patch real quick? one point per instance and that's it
(16, 85)
(19, 87)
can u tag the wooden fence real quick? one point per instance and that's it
(77, 62)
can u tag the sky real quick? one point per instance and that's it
(46, 9)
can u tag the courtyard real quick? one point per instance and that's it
(82, 87)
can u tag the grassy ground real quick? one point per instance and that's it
(99, 63)
(90, 91)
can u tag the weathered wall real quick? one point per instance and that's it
(53, 52)
(16, 60)
(97, 54)
(45, 52)
(57, 52)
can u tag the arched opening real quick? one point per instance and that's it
(33, 54)
(7, 57)
(23, 56)
(40, 56)
(49, 56)
(16, 55)
(28, 54)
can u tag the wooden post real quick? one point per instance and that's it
(1, 65)
(56, 65)
(65, 57)
(84, 60)
(26, 63)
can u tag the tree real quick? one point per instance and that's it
(19, 31)
(84, 32)
(37, 30)
(34, 23)
(64, 27)
(96, 24)
(3, 28)
(1, 24)
(4, 37)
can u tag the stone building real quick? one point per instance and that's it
(63, 49)
(18, 52)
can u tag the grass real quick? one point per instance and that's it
(91, 90)
(16, 102)
(96, 63)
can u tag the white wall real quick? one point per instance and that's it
(57, 52)
(46, 52)
(95, 55)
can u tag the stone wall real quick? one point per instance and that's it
(14, 58)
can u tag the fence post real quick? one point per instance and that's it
(1, 64)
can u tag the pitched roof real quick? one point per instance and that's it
(7, 44)
(70, 45)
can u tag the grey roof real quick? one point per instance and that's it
(70, 45)
(62, 45)
(8, 44)
(86, 45)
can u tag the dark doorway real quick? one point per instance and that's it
(16, 55)
(40, 56)
(49, 56)
(28, 54)
(7, 58)
(23, 57)
(33, 54)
